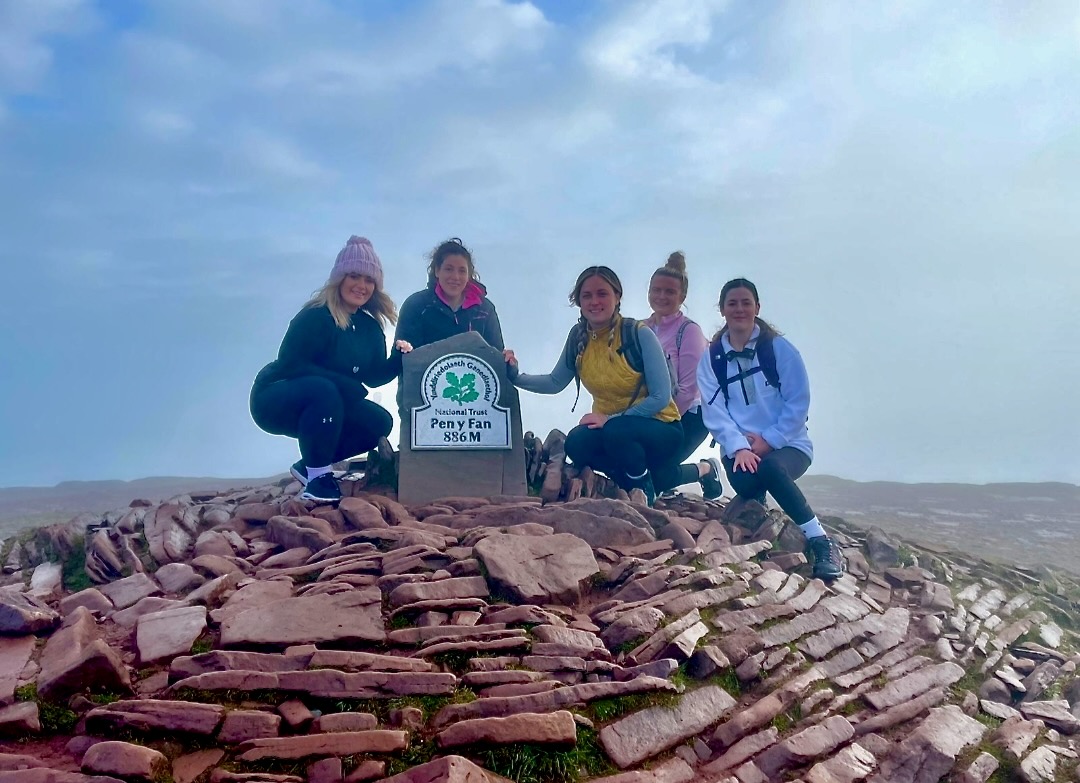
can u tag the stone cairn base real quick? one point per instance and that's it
(250, 636)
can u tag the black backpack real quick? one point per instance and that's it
(630, 349)
(763, 351)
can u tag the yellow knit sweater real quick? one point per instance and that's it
(610, 379)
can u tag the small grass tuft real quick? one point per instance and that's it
(419, 752)
(26, 692)
(729, 681)
(538, 764)
(73, 567)
(604, 710)
(203, 644)
(102, 699)
(626, 647)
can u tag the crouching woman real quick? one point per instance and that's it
(334, 349)
(634, 425)
(755, 399)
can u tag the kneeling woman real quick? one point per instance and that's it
(334, 347)
(755, 399)
(634, 425)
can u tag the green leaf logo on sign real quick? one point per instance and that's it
(461, 390)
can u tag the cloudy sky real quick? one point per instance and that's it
(902, 180)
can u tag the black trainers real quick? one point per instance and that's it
(828, 561)
(322, 489)
(299, 472)
(711, 488)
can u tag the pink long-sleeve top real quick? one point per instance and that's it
(684, 356)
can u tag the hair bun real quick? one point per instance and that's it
(677, 261)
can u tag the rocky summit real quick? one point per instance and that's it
(572, 636)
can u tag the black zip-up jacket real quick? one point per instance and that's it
(425, 319)
(352, 357)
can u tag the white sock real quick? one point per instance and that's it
(811, 529)
(316, 472)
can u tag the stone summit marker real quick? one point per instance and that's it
(460, 423)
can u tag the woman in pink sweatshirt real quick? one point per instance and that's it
(684, 343)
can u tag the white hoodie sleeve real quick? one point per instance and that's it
(795, 393)
(714, 412)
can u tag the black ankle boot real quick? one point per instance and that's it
(645, 485)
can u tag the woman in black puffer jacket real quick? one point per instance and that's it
(316, 390)
(454, 302)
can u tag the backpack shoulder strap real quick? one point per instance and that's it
(571, 361)
(630, 349)
(679, 335)
(572, 339)
(766, 356)
(718, 362)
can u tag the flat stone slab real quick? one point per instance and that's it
(170, 633)
(244, 725)
(805, 747)
(537, 569)
(849, 765)
(463, 587)
(20, 720)
(1053, 713)
(352, 661)
(76, 659)
(344, 743)
(15, 653)
(447, 769)
(929, 752)
(911, 685)
(353, 616)
(157, 715)
(92, 598)
(742, 750)
(191, 766)
(782, 633)
(555, 728)
(498, 706)
(130, 590)
(21, 614)
(132, 762)
(644, 734)
(671, 771)
(327, 683)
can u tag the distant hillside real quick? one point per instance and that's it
(1031, 524)
(22, 507)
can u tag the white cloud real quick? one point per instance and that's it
(643, 41)
(26, 27)
(165, 124)
(456, 37)
(278, 157)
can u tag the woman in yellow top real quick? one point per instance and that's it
(634, 425)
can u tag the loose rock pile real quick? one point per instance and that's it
(253, 637)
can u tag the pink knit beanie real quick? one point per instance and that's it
(357, 258)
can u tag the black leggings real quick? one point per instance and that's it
(312, 410)
(625, 446)
(673, 474)
(776, 474)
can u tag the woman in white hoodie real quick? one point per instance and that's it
(755, 399)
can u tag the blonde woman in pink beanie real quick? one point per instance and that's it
(334, 349)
